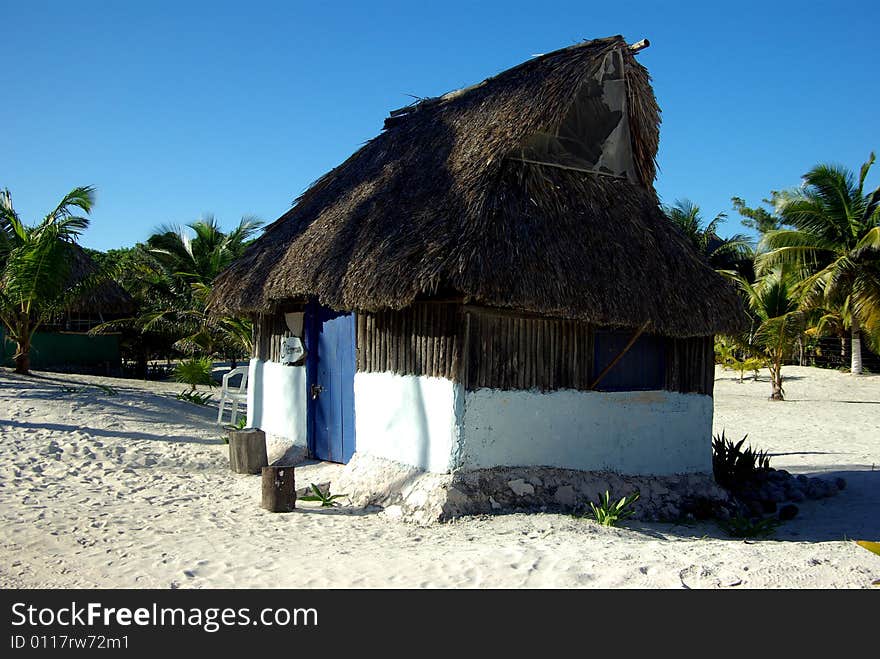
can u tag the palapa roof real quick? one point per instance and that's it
(106, 297)
(435, 206)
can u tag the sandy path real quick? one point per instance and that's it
(134, 490)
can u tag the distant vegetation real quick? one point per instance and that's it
(813, 273)
(170, 278)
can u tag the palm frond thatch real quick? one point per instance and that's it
(96, 291)
(434, 206)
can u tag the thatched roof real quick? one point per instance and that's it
(107, 297)
(434, 206)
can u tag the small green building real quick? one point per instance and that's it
(64, 344)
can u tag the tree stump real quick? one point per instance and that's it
(247, 451)
(279, 489)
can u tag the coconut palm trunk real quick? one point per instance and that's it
(23, 346)
(20, 330)
(856, 363)
(23, 362)
(777, 321)
(777, 392)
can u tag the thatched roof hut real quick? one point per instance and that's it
(107, 297)
(62, 341)
(489, 284)
(446, 201)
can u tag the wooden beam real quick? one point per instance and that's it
(466, 350)
(639, 46)
(480, 310)
(567, 167)
(614, 361)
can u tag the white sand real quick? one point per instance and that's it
(134, 490)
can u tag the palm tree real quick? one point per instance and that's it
(175, 271)
(835, 243)
(201, 258)
(35, 267)
(197, 261)
(777, 321)
(824, 322)
(725, 254)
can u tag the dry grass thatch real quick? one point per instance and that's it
(107, 297)
(432, 206)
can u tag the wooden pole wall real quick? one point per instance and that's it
(499, 349)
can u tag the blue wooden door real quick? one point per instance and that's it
(330, 384)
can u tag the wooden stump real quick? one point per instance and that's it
(279, 489)
(247, 451)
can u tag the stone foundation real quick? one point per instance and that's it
(424, 497)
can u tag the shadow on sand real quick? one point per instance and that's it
(112, 434)
(852, 514)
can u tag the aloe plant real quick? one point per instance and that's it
(732, 465)
(327, 500)
(194, 397)
(748, 527)
(608, 513)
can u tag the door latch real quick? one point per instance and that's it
(316, 390)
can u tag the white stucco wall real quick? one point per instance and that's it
(407, 418)
(277, 400)
(648, 432)
(433, 424)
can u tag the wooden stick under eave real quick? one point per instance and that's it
(614, 361)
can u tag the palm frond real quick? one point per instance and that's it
(866, 299)
(777, 332)
(36, 272)
(863, 171)
(871, 240)
(247, 227)
(82, 197)
(115, 325)
(802, 259)
(172, 246)
(9, 221)
(829, 324)
(811, 289)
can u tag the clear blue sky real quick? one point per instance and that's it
(176, 109)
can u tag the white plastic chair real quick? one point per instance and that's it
(233, 395)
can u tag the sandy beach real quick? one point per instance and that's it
(134, 490)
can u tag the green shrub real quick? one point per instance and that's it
(608, 513)
(240, 424)
(194, 397)
(750, 527)
(110, 391)
(327, 500)
(731, 465)
(195, 371)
